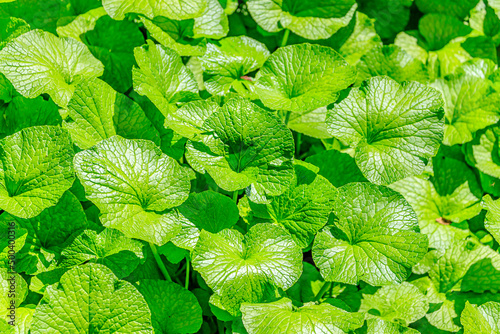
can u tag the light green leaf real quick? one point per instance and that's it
(113, 43)
(213, 23)
(24, 317)
(173, 9)
(483, 319)
(9, 230)
(377, 326)
(176, 35)
(96, 112)
(48, 233)
(11, 283)
(435, 212)
(132, 183)
(484, 19)
(10, 28)
(311, 123)
(281, 317)
(162, 77)
(302, 210)
(471, 101)
(247, 268)
(36, 169)
(188, 120)
(99, 302)
(345, 170)
(49, 65)
(81, 24)
(392, 61)
(226, 65)
(399, 303)
(309, 19)
(373, 239)
(283, 83)
(492, 221)
(173, 308)
(393, 128)
(209, 211)
(110, 248)
(247, 146)
(485, 151)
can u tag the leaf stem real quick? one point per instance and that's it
(160, 262)
(285, 38)
(220, 327)
(297, 145)
(186, 284)
(287, 117)
(322, 291)
(235, 196)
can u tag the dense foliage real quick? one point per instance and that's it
(252, 166)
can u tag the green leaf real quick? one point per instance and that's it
(110, 248)
(162, 77)
(209, 211)
(311, 123)
(302, 210)
(485, 151)
(49, 65)
(173, 9)
(437, 30)
(391, 16)
(132, 183)
(48, 233)
(483, 19)
(113, 43)
(435, 212)
(247, 268)
(492, 221)
(24, 113)
(9, 230)
(457, 8)
(282, 317)
(392, 61)
(81, 24)
(283, 83)
(11, 283)
(226, 65)
(24, 317)
(471, 101)
(96, 112)
(10, 28)
(399, 303)
(246, 146)
(173, 308)
(377, 326)
(308, 285)
(309, 19)
(345, 171)
(35, 177)
(188, 120)
(99, 302)
(374, 238)
(483, 319)
(393, 128)
(213, 23)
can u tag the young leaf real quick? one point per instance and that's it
(162, 77)
(110, 248)
(284, 83)
(393, 128)
(309, 19)
(247, 268)
(225, 66)
(38, 62)
(246, 146)
(96, 112)
(35, 177)
(302, 210)
(471, 100)
(483, 319)
(132, 183)
(374, 238)
(173, 9)
(99, 303)
(283, 318)
(173, 308)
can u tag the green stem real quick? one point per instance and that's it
(160, 262)
(322, 291)
(186, 284)
(220, 327)
(235, 196)
(285, 38)
(287, 117)
(297, 145)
